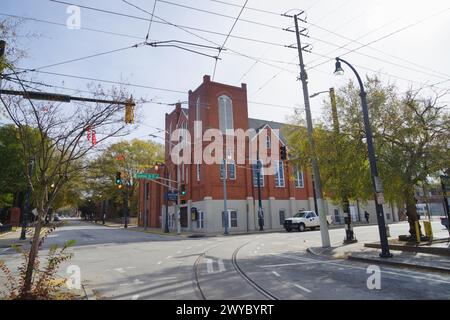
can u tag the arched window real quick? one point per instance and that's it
(225, 113)
(197, 110)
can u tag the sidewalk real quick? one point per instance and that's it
(409, 259)
(8, 239)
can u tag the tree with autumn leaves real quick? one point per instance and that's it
(411, 135)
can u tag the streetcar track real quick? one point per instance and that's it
(249, 280)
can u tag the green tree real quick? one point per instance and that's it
(129, 158)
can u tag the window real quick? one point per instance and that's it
(255, 175)
(225, 114)
(200, 220)
(232, 170)
(299, 179)
(282, 216)
(198, 171)
(279, 174)
(268, 141)
(232, 219)
(197, 110)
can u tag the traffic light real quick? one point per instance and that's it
(283, 153)
(183, 190)
(119, 178)
(129, 111)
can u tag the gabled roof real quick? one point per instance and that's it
(259, 124)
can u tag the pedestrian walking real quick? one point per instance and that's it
(366, 215)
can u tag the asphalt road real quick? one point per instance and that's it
(124, 264)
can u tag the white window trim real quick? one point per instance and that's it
(197, 110)
(277, 177)
(229, 218)
(255, 178)
(231, 163)
(224, 98)
(297, 184)
(198, 171)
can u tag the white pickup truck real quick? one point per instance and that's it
(303, 220)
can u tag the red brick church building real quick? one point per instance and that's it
(224, 107)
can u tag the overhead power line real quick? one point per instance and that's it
(84, 58)
(228, 35)
(222, 15)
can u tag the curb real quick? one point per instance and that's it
(89, 294)
(399, 264)
(416, 249)
(386, 262)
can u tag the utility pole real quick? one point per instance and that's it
(27, 202)
(316, 174)
(349, 234)
(225, 209)
(146, 185)
(258, 177)
(166, 224)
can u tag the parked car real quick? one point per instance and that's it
(303, 220)
(56, 218)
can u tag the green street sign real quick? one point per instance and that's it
(147, 176)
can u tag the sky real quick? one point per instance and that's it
(404, 42)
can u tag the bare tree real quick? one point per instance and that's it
(58, 137)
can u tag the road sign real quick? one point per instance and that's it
(172, 196)
(380, 198)
(147, 176)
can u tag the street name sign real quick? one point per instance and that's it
(147, 176)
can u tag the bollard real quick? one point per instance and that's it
(417, 232)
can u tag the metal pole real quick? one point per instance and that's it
(27, 202)
(145, 204)
(316, 174)
(126, 206)
(444, 184)
(166, 226)
(258, 177)
(178, 200)
(225, 209)
(373, 166)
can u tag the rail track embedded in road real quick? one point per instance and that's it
(249, 280)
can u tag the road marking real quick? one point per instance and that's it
(276, 273)
(221, 265)
(189, 248)
(302, 288)
(258, 248)
(178, 252)
(124, 284)
(285, 264)
(159, 262)
(361, 268)
(135, 297)
(120, 270)
(131, 267)
(137, 281)
(209, 265)
(169, 257)
(4, 250)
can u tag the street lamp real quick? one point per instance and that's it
(372, 160)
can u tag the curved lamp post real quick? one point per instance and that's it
(372, 161)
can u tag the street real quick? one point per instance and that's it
(123, 264)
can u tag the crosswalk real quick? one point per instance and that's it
(214, 265)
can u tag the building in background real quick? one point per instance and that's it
(225, 107)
